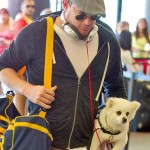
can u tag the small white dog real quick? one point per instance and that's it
(112, 124)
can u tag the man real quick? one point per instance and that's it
(25, 16)
(69, 114)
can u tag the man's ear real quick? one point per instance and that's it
(65, 4)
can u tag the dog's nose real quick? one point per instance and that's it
(124, 120)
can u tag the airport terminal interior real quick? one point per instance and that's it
(129, 21)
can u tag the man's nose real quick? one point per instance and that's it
(88, 20)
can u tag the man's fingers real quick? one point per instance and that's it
(54, 88)
(49, 97)
(51, 91)
(44, 96)
(44, 105)
(47, 101)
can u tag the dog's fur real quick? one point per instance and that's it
(114, 118)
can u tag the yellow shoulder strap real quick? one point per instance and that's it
(48, 57)
(49, 53)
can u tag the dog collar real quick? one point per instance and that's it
(107, 131)
(99, 110)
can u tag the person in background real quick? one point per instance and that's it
(6, 29)
(125, 41)
(18, 16)
(139, 39)
(141, 35)
(122, 25)
(23, 19)
(80, 60)
(6, 37)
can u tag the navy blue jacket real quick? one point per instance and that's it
(70, 116)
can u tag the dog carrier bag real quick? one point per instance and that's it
(33, 131)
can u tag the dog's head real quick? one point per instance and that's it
(121, 111)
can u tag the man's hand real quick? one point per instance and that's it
(41, 95)
(35, 93)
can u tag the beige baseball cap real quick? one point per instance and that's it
(91, 7)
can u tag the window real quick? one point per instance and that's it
(111, 13)
(56, 5)
(3, 4)
(132, 11)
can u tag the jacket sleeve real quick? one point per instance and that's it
(114, 83)
(20, 52)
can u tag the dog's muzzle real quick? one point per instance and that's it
(124, 120)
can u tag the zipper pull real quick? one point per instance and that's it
(54, 60)
(79, 81)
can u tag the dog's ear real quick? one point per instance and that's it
(110, 103)
(135, 105)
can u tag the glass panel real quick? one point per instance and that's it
(111, 13)
(3, 4)
(132, 11)
(56, 5)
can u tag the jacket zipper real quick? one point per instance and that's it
(74, 118)
(79, 82)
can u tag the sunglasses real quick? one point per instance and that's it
(84, 16)
(28, 6)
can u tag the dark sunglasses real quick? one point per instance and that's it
(84, 16)
(28, 6)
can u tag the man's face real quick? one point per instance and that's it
(78, 19)
(28, 8)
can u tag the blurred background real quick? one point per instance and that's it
(116, 10)
(130, 22)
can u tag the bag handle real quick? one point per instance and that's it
(49, 53)
(48, 58)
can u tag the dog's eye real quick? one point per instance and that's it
(127, 113)
(118, 113)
